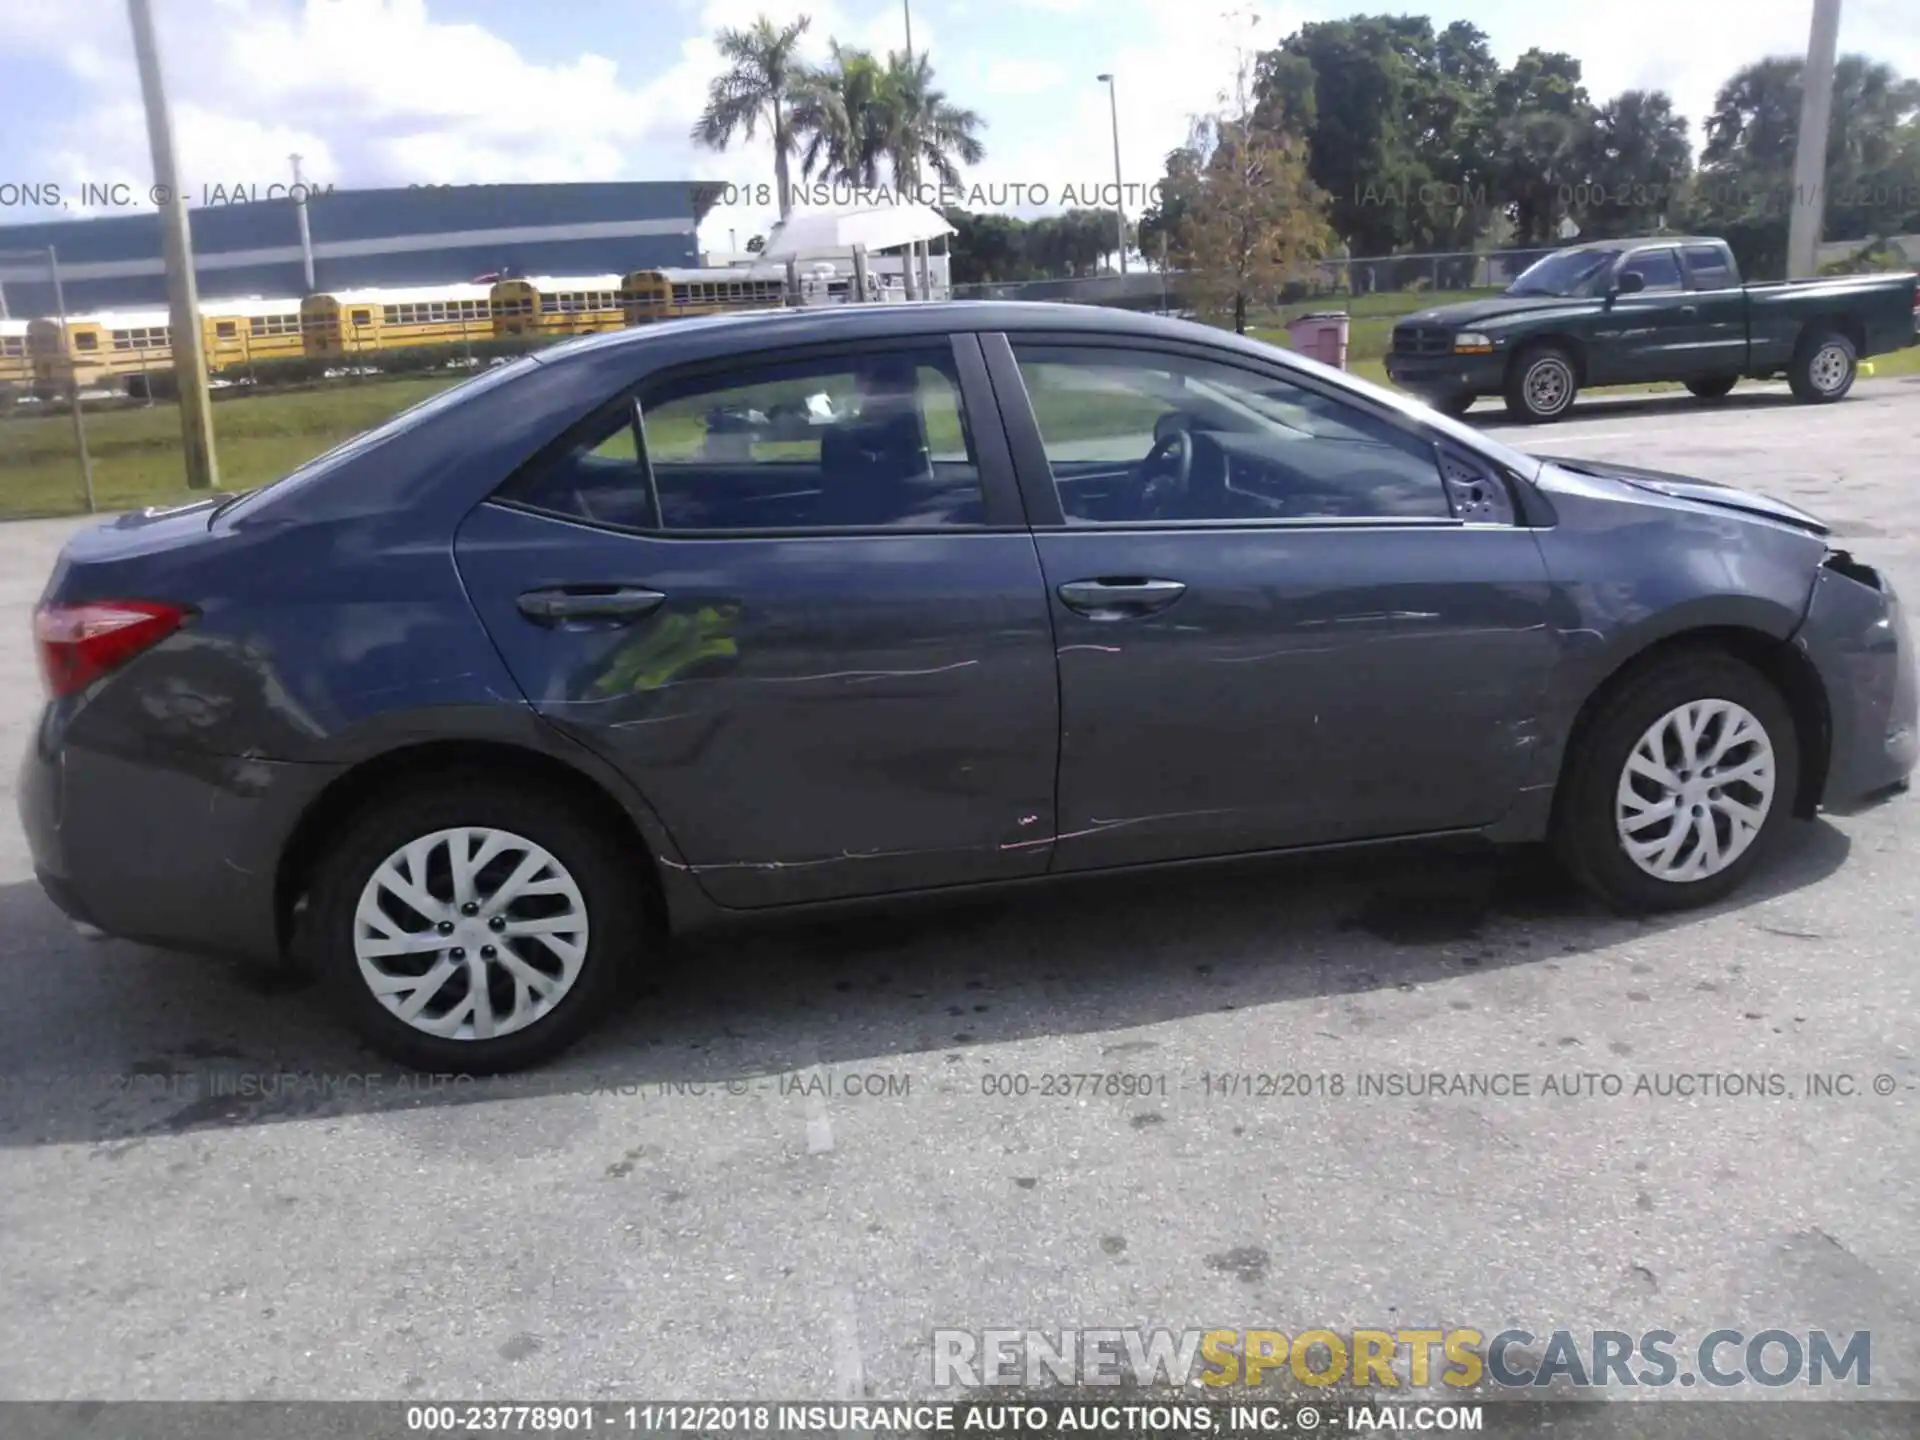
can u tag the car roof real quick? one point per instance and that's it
(1635, 242)
(828, 324)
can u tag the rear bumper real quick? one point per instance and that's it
(1448, 374)
(175, 850)
(1857, 637)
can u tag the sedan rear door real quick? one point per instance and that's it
(1332, 630)
(794, 598)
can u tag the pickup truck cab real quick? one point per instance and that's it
(1627, 312)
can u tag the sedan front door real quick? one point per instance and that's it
(1278, 621)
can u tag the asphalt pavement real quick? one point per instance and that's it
(777, 1173)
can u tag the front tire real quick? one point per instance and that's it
(474, 925)
(1542, 385)
(1824, 368)
(1717, 388)
(1680, 785)
(1453, 403)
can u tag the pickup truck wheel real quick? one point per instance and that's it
(1718, 388)
(1541, 385)
(1823, 368)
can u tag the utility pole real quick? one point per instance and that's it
(188, 344)
(906, 9)
(1809, 202)
(306, 235)
(1119, 190)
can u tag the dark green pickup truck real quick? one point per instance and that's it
(1625, 312)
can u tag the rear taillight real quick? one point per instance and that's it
(80, 643)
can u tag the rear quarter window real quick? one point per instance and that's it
(433, 406)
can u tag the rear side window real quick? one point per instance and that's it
(1708, 266)
(1657, 267)
(875, 440)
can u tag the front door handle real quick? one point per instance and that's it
(1119, 598)
(590, 602)
(1689, 309)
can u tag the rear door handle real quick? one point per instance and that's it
(1689, 309)
(1119, 598)
(590, 602)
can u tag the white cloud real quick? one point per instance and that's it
(1021, 77)
(382, 92)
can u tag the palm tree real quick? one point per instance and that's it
(841, 111)
(923, 131)
(760, 82)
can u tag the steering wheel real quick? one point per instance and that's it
(1165, 474)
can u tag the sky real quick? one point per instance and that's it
(398, 92)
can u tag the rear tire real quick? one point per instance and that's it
(1542, 384)
(1717, 388)
(542, 958)
(1637, 778)
(1824, 368)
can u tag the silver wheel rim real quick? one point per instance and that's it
(1549, 387)
(470, 933)
(1695, 791)
(1829, 368)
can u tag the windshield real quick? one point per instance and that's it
(1568, 273)
(407, 419)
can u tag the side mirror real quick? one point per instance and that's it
(1630, 282)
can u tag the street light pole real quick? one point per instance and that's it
(1810, 157)
(306, 233)
(188, 344)
(1119, 190)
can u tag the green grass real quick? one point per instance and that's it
(136, 452)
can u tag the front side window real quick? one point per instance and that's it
(847, 442)
(1138, 437)
(1658, 268)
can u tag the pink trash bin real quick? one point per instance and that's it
(1322, 336)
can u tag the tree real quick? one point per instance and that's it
(1528, 141)
(1254, 216)
(1745, 189)
(843, 111)
(758, 87)
(1637, 162)
(986, 247)
(924, 132)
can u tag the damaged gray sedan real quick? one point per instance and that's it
(478, 708)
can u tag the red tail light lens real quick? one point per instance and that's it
(80, 643)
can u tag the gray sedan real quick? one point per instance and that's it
(718, 618)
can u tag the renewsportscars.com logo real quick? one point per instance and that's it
(1400, 1358)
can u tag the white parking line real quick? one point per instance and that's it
(849, 1371)
(814, 1099)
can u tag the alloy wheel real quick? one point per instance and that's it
(1695, 791)
(470, 933)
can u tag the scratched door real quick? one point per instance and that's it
(1310, 686)
(821, 653)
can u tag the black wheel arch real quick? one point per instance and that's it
(1782, 663)
(1850, 326)
(637, 829)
